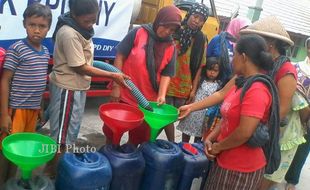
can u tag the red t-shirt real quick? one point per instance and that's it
(256, 103)
(286, 68)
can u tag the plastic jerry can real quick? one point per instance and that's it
(164, 165)
(87, 171)
(127, 165)
(195, 168)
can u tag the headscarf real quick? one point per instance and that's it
(235, 25)
(185, 34)
(156, 46)
(168, 15)
(66, 19)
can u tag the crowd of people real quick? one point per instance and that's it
(243, 76)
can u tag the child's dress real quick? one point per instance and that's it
(192, 125)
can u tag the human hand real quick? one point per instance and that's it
(215, 149)
(184, 111)
(161, 100)
(41, 115)
(190, 98)
(6, 124)
(115, 94)
(208, 149)
(119, 78)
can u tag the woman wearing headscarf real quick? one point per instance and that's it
(147, 54)
(222, 45)
(303, 74)
(191, 45)
(284, 75)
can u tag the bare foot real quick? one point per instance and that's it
(290, 186)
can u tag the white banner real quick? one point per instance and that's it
(111, 27)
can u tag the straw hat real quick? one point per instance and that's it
(270, 27)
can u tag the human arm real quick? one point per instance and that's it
(286, 88)
(118, 63)
(123, 50)
(165, 77)
(85, 69)
(211, 100)
(304, 114)
(209, 140)
(194, 86)
(6, 121)
(163, 87)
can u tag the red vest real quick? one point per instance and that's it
(135, 66)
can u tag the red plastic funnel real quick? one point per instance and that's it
(120, 118)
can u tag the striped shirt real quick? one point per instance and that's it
(30, 72)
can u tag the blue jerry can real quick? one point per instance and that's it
(196, 167)
(164, 165)
(87, 171)
(127, 165)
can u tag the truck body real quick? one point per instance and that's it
(149, 9)
(114, 20)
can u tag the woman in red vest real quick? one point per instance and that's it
(147, 54)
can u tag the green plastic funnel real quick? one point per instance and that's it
(28, 151)
(160, 117)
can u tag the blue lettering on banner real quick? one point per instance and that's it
(53, 6)
(11, 5)
(108, 9)
(103, 47)
(108, 12)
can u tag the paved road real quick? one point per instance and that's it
(91, 135)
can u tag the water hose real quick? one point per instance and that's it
(142, 101)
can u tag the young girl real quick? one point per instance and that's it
(72, 71)
(209, 83)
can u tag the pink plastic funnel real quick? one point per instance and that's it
(120, 118)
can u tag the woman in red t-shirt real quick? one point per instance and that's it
(239, 166)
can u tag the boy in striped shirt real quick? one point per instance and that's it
(23, 79)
